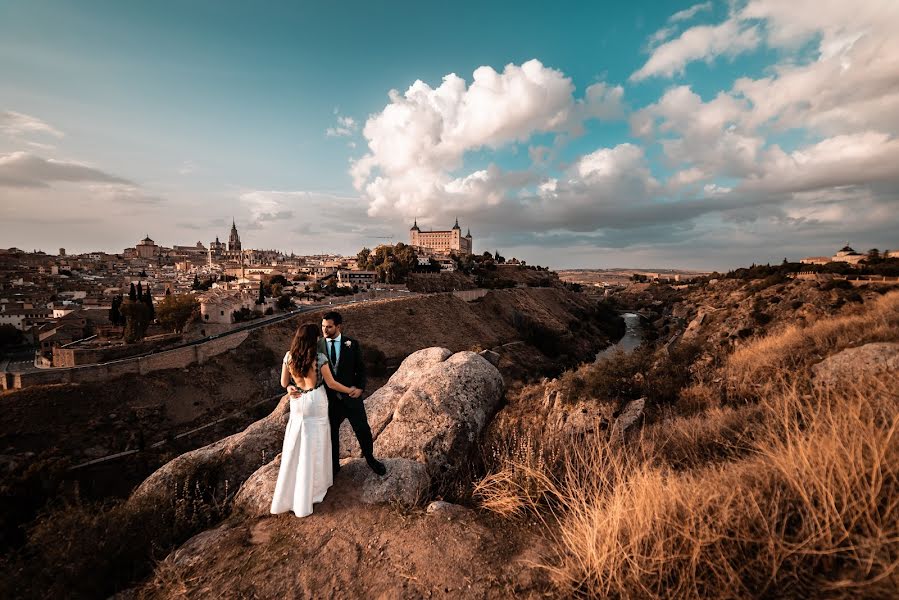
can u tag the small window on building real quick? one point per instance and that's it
(223, 313)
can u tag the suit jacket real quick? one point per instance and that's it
(350, 369)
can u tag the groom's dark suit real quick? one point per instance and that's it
(350, 371)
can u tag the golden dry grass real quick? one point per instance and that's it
(753, 369)
(795, 494)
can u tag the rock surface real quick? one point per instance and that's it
(632, 413)
(379, 406)
(442, 412)
(855, 363)
(232, 460)
(431, 410)
(439, 508)
(424, 420)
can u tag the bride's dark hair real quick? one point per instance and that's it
(303, 349)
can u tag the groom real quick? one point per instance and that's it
(345, 358)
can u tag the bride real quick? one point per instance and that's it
(305, 473)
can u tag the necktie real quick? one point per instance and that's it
(333, 352)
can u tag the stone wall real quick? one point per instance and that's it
(73, 357)
(470, 295)
(180, 358)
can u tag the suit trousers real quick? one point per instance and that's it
(354, 410)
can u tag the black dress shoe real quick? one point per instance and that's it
(376, 466)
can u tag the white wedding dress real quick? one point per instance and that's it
(305, 473)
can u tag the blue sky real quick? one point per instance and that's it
(711, 140)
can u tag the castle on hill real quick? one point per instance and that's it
(442, 242)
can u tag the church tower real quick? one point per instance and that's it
(234, 239)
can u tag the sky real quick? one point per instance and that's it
(569, 134)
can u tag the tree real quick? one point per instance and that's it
(177, 310)
(278, 280)
(10, 335)
(115, 316)
(168, 291)
(363, 258)
(137, 319)
(196, 283)
(148, 299)
(140, 292)
(261, 298)
(132, 293)
(284, 302)
(873, 255)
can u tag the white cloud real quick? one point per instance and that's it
(855, 159)
(346, 126)
(708, 136)
(703, 42)
(122, 193)
(687, 177)
(420, 138)
(689, 13)
(21, 169)
(15, 124)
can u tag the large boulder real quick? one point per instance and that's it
(855, 363)
(226, 463)
(431, 410)
(406, 482)
(379, 406)
(441, 413)
(430, 413)
(425, 421)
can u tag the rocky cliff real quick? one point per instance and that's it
(426, 421)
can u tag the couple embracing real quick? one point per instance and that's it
(325, 377)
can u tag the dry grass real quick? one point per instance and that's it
(90, 550)
(795, 494)
(756, 369)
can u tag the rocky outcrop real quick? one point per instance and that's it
(228, 462)
(855, 363)
(441, 413)
(431, 410)
(632, 412)
(425, 421)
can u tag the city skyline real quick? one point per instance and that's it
(674, 134)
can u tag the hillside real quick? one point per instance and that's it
(44, 430)
(496, 277)
(728, 485)
(766, 465)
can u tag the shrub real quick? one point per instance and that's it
(760, 318)
(176, 311)
(90, 550)
(836, 284)
(284, 302)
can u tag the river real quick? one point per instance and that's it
(633, 336)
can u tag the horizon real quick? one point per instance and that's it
(673, 135)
